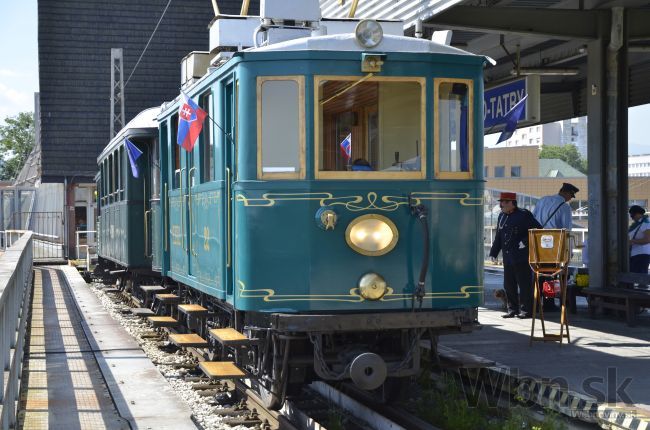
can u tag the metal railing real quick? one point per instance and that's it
(576, 239)
(88, 246)
(15, 282)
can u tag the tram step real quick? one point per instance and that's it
(148, 289)
(142, 312)
(168, 298)
(230, 337)
(158, 321)
(188, 340)
(194, 310)
(221, 369)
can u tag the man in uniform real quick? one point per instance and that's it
(554, 212)
(512, 239)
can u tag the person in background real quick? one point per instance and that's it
(554, 212)
(639, 235)
(361, 165)
(511, 238)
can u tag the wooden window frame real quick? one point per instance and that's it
(365, 175)
(470, 129)
(300, 80)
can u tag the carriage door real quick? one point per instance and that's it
(229, 159)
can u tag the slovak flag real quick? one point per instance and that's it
(134, 153)
(190, 122)
(346, 146)
(512, 118)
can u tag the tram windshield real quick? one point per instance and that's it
(368, 125)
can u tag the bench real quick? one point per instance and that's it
(618, 299)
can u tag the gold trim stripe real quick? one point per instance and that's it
(354, 296)
(352, 203)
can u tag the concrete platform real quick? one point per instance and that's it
(84, 370)
(601, 377)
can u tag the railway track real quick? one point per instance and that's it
(219, 404)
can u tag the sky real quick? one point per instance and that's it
(18, 57)
(19, 72)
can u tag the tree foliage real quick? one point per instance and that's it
(566, 153)
(16, 142)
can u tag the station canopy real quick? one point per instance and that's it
(548, 38)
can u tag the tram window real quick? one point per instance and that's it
(205, 141)
(121, 174)
(453, 112)
(175, 154)
(370, 128)
(281, 124)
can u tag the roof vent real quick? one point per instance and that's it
(282, 10)
(193, 66)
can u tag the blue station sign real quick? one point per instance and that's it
(498, 100)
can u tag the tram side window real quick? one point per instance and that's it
(370, 129)
(175, 154)
(121, 171)
(453, 138)
(205, 141)
(281, 128)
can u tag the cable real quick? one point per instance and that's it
(145, 48)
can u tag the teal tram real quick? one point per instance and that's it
(330, 211)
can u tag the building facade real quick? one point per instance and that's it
(75, 39)
(638, 165)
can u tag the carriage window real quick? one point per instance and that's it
(175, 155)
(370, 128)
(205, 141)
(453, 138)
(122, 173)
(280, 132)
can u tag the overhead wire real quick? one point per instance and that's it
(148, 42)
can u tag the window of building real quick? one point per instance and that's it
(486, 169)
(515, 171)
(453, 140)
(370, 128)
(499, 171)
(280, 127)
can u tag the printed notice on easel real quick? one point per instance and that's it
(547, 241)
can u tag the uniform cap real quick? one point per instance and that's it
(569, 188)
(508, 196)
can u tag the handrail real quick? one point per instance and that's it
(77, 233)
(228, 221)
(190, 174)
(15, 294)
(182, 195)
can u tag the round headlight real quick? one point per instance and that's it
(371, 235)
(368, 33)
(372, 286)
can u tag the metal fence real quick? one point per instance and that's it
(15, 291)
(577, 239)
(48, 233)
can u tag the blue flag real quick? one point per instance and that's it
(134, 153)
(512, 118)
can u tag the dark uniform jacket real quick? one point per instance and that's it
(512, 236)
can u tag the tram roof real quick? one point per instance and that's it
(143, 124)
(347, 42)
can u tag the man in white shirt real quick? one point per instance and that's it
(554, 211)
